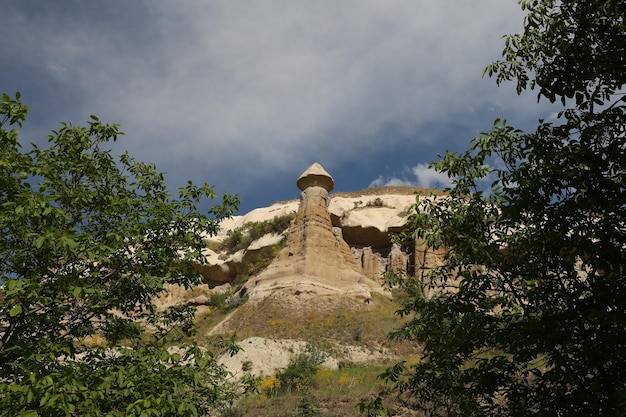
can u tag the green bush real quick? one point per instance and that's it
(89, 240)
(301, 369)
(377, 202)
(218, 301)
(306, 407)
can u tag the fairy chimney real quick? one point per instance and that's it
(315, 260)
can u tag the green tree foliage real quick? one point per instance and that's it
(528, 315)
(87, 242)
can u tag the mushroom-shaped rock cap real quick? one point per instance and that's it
(315, 176)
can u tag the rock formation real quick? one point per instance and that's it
(426, 259)
(316, 260)
(358, 217)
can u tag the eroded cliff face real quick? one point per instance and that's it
(337, 243)
(315, 260)
(362, 223)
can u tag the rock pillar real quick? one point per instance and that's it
(426, 259)
(315, 260)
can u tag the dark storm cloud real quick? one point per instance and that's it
(236, 92)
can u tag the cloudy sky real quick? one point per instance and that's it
(246, 94)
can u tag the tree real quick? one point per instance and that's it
(87, 242)
(528, 315)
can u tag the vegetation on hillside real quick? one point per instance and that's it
(306, 384)
(241, 237)
(376, 191)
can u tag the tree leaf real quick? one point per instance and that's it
(15, 310)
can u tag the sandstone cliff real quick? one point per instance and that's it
(315, 260)
(358, 222)
(317, 279)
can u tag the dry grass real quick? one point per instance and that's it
(324, 321)
(389, 190)
(333, 393)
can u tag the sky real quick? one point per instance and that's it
(245, 95)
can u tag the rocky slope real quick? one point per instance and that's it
(317, 279)
(365, 220)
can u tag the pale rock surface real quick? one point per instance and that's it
(426, 259)
(264, 357)
(372, 262)
(198, 296)
(397, 261)
(257, 215)
(222, 268)
(267, 240)
(396, 202)
(361, 220)
(376, 262)
(394, 207)
(359, 225)
(174, 294)
(376, 217)
(315, 176)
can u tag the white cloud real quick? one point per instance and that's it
(428, 177)
(383, 181)
(418, 176)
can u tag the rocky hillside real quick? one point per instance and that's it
(365, 220)
(320, 245)
(307, 272)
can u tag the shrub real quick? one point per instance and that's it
(377, 202)
(297, 376)
(306, 407)
(270, 386)
(218, 301)
(246, 366)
